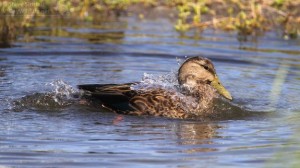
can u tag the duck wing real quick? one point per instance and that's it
(121, 99)
(113, 96)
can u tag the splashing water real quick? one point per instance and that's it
(180, 61)
(165, 81)
(62, 92)
(61, 95)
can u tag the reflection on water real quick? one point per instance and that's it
(279, 80)
(42, 123)
(196, 135)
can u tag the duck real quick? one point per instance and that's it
(198, 84)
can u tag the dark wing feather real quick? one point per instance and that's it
(121, 99)
(113, 96)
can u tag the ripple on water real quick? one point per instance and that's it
(52, 130)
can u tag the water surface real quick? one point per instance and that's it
(48, 127)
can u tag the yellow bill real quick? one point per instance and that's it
(220, 88)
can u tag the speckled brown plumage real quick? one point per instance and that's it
(192, 97)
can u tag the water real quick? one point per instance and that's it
(47, 127)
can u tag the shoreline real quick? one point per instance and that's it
(246, 18)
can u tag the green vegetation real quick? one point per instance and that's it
(245, 17)
(249, 17)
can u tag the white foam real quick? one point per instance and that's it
(62, 92)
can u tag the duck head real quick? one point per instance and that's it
(198, 71)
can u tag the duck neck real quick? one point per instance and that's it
(203, 93)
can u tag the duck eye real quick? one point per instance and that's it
(208, 82)
(205, 67)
